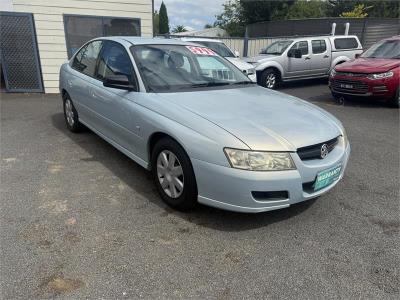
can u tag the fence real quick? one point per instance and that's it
(260, 35)
(368, 30)
(245, 47)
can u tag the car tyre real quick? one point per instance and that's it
(71, 115)
(173, 175)
(395, 102)
(270, 79)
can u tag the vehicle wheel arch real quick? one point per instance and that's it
(276, 69)
(157, 136)
(64, 93)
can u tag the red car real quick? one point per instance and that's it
(375, 74)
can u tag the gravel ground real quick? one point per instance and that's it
(80, 220)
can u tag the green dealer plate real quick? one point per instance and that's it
(327, 177)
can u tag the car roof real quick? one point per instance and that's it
(301, 38)
(196, 39)
(135, 40)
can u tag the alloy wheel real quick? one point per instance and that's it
(170, 174)
(270, 80)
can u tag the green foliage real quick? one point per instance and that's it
(179, 28)
(156, 23)
(236, 14)
(359, 11)
(307, 9)
(163, 19)
(207, 26)
(231, 18)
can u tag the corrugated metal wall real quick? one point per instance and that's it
(368, 30)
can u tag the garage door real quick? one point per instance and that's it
(19, 53)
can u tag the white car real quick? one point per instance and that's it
(221, 49)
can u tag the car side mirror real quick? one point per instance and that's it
(237, 53)
(357, 55)
(121, 82)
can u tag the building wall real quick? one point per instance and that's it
(48, 17)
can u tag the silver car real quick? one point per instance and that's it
(205, 131)
(303, 58)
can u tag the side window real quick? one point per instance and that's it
(318, 46)
(85, 60)
(303, 46)
(114, 60)
(346, 43)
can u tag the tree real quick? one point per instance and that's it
(156, 23)
(179, 28)
(379, 8)
(231, 18)
(207, 26)
(359, 11)
(307, 9)
(163, 19)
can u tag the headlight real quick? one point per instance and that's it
(259, 160)
(251, 71)
(345, 138)
(380, 75)
(333, 72)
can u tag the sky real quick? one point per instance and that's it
(193, 14)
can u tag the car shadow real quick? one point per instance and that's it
(140, 180)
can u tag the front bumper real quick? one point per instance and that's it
(363, 87)
(231, 189)
(253, 77)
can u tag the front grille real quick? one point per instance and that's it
(351, 74)
(350, 86)
(314, 151)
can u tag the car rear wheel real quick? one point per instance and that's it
(71, 115)
(270, 79)
(173, 175)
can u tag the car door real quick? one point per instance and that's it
(83, 67)
(297, 67)
(116, 114)
(320, 57)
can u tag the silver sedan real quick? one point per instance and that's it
(206, 132)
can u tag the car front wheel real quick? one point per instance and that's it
(173, 175)
(270, 79)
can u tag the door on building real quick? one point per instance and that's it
(79, 29)
(19, 53)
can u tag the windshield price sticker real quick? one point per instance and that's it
(201, 51)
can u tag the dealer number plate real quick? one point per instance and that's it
(327, 177)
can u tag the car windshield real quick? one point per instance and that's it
(276, 48)
(219, 48)
(172, 68)
(384, 49)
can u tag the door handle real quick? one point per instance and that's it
(326, 56)
(307, 58)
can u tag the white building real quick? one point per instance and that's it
(37, 36)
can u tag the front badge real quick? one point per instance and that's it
(324, 150)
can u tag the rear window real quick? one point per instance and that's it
(346, 43)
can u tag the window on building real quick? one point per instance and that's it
(318, 46)
(80, 29)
